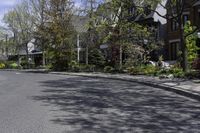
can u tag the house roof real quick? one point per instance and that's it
(153, 15)
(197, 3)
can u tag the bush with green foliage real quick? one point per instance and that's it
(59, 65)
(108, 69)
(87, 68)
(2, 65)
(133, 70)
(149, 69)
(192, 74)
(192, 47)
(175, 71)
(96, 58)
(14, 66)
(74, 66)
(49, 66)
(24, 64)
(143, 69)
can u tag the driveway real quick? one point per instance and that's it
(45, 103)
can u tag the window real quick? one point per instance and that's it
(174, 25)
(131, 11)
(174, 49)
(199, 18)
(185, 19)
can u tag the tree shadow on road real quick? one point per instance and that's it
(97, 105)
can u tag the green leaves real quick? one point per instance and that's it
(191, 42)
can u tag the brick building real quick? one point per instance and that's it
(190, 13)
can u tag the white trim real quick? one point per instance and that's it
(186, 13)
(174, 40)
(198, 34)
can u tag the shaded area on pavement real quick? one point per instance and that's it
(97, 105)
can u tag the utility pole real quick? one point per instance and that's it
(78, 48)
(7, 45)
(91, 24)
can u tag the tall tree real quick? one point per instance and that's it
(89, 8)
(118, 29)
(58, 32)
(21, 23)
(38, 8)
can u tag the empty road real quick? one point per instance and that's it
(45, 103)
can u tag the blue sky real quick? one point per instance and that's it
(5, 5)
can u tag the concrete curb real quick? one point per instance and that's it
(26, 70)
(177, 90)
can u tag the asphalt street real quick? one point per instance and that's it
(46, 103)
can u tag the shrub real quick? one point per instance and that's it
(108, 69)
(24, 64)
(60, 65)
(74, 66)
(192, 74)
(175, 71)
(87, 68)
(2, 65)
(148, 69)
(143, 69)
(96, 58)
(14, 66)
(133, 70)
(49, 66)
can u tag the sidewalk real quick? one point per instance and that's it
(189, 88)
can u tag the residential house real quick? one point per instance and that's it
(190, 13)
(34, 53)
(155, 23)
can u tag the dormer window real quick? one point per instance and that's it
(131, 10)
(185, 17)
(199, 16)
(174, 25)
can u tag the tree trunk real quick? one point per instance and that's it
(6, 46)
(120, 58)
(78, 48)
(86, 57)
(27, 56)
(184, 60)
(43, 59)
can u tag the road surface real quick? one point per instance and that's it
(45, 103)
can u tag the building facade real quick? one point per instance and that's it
(191, 12)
